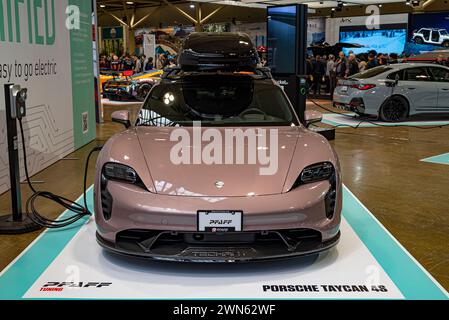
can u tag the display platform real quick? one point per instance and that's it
(347, 121)
(368, 263)
(441, 159)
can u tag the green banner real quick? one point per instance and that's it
(83, 93)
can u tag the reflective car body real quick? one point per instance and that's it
(150, 204)
(135, 87)
(279, 220)
(423, 88)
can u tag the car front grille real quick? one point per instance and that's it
(220, 245)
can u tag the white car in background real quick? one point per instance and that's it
(395, 92)
(439, 37)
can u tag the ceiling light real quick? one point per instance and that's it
(129, 2)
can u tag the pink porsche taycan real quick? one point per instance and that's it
(217, 168)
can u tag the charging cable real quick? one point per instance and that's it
(362, 121)
(70, 205)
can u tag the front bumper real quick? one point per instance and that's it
(218, 248)
(129, 218)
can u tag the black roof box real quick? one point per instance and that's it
(205, 51)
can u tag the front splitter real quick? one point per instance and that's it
(224, 254)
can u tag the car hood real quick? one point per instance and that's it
(191, 179)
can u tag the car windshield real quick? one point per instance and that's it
(216, 100)
(443, 32)
(374, 72)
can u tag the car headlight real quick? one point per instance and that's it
(314, 173)
(120, 172)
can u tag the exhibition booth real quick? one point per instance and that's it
(156, 121)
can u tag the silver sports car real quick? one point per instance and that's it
(395, 92)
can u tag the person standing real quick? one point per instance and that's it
(341, 66)
(309, 72)
(318, 71)
(372, 61)
(440, 60)
(161, 62)
(331, 78)
(149, 64)
(127, 63)
(115, 63)
(362, 66)
(137, 64)
(353, 66)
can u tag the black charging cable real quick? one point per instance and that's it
(70, 205)
(362, 121)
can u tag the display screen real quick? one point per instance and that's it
(388, 39)
(282, 39)
(428, 32)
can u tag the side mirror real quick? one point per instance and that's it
(312, 117)
(122, 117)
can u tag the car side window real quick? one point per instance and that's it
(435, 36)
(426, 34)
(440, 74)
(417, 74)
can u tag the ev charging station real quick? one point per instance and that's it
(15, 103)
(287, 58)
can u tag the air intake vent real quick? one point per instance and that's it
(331, 198)
(106, 199)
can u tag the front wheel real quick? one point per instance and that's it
(446, 44)
(394, 110)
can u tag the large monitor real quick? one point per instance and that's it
(388, 39)
(281, 37)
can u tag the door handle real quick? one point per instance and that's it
(411, 88)
(445, 89)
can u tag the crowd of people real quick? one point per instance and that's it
(324, 71)
(135, 63)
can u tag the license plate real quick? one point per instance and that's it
(220, 221)
(344, 89)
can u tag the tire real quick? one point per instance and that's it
(143, 91)
(395, 109)
(446, 44)
(419, 40)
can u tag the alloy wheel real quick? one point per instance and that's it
(394, 110)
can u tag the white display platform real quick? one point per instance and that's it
(107, 102)
(367, 264)
(348, 120)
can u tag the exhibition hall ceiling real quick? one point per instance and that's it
(119, 4)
